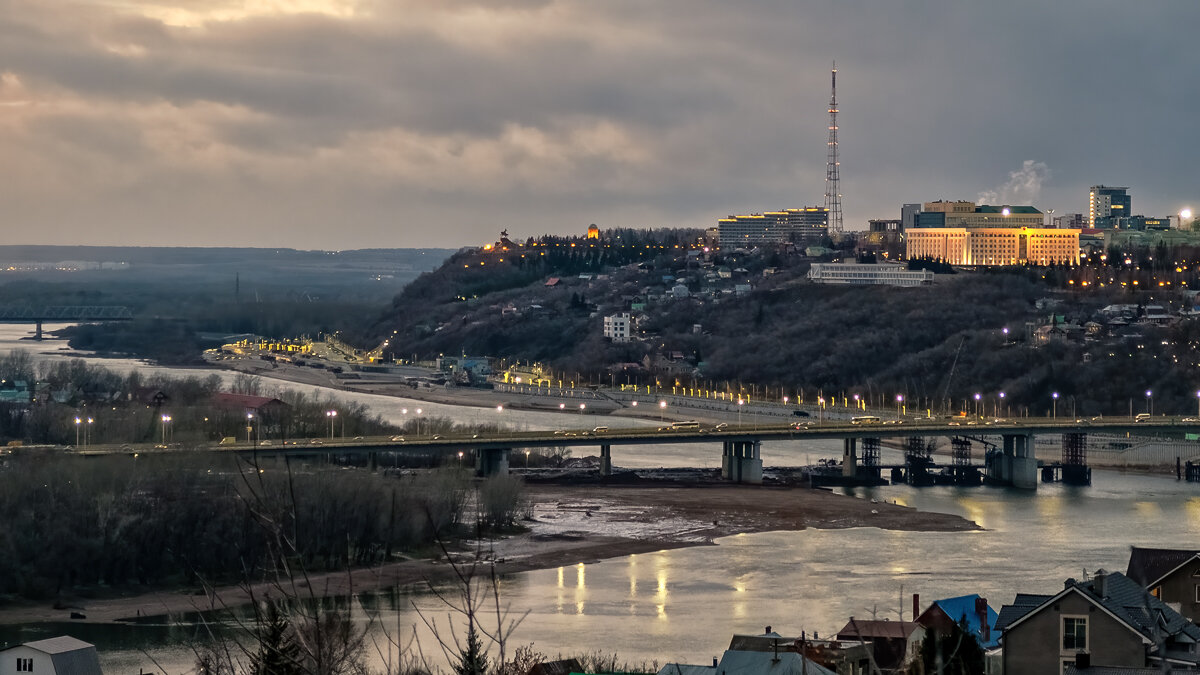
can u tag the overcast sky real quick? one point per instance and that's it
(360, 123)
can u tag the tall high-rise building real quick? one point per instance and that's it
(908, 216)
(1106, 203)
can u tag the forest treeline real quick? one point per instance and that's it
(80, 525)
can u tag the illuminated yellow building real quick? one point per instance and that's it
(593, 232)
(994, 245)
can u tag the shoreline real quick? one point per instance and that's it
(570, 525)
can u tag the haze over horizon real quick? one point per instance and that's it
(342, 124)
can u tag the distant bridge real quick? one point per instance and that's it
(64, 314)
(741, 445)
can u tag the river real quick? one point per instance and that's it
(683, 604)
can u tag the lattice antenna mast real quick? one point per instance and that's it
(833, 173)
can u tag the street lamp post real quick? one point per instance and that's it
(1198, 404)
(978, 410)
(1054, 405)
(899, 403)
(741, 403)
(87, 433)
(1001, 400)
(526, 458)
(332, 415)
(1149, 403)
(77, 423)
(662, 407)
(166, 419)
(418, 422)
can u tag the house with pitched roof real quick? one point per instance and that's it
(970, 611)
(1171, 575)
(1107, 621)
(766, 654)
(894, 643)
(63, 655)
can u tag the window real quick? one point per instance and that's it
(25, 665)
(1197, 592)
(1074, 633)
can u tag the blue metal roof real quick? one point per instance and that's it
(963, 608)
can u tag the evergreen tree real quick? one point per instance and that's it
(473, 660)
(278, 653)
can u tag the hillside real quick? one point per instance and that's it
(767, 331)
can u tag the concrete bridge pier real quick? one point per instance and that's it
(491, 461)
(606, 460)
(741, 461)
(1016, 466)
(849, 458)
(37, 332)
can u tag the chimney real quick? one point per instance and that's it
(714, 662)
(916, 606)
(1083, 660)
(981, 609)
(768, 630)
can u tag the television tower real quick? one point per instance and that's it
(833, 173)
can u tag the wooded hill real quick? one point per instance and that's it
(936, 345)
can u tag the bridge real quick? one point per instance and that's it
(63, 314)
(1010, 463)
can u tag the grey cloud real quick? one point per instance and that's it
(722, 103)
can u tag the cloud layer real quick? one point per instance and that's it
(353, 123)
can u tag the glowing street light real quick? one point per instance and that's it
(899, 404)
(87, 433)
(526, 458)
(77, 423)
(418, 422)
(662, 407)
(332, 415)
(741, 402)
(978, 412)
(1198, 404)
(1054, 405)
(1149, 403)
(166, 419)
(998, 405)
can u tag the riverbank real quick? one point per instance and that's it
(568, 525)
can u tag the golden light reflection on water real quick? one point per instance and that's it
(1147, 509)
(660, 597)
(1192, 506)
(580, 589)
(739, 602)
(1049, 506)
(974, 511)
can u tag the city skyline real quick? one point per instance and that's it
(350, 124)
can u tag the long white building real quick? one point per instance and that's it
(868, 275)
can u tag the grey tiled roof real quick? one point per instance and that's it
(1147, 565)
(1123, 598)
(1022, 605)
